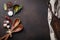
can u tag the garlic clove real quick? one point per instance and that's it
(4, 25)
(8, 26)
(6, 21)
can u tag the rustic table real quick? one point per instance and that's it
(33, 17)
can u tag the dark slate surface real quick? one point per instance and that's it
(33, 17)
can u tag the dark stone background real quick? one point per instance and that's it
(33, 17)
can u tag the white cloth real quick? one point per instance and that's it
(52, 35)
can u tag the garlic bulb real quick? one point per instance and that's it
(10, 13)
